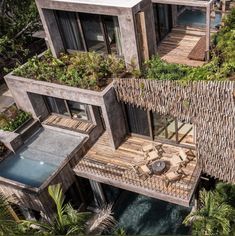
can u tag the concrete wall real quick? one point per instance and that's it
(125, 18)
(26, 94)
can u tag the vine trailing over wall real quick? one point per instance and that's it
(12, 118)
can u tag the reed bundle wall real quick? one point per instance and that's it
(208, 105)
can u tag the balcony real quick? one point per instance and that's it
(115, 167)
(181, 43)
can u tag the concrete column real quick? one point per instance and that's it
(128, 38)
(208, 27)
(98, 193)
(174, 15)
(51, 29)
(150, 28)
(114, 119)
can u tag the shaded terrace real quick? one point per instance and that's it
(115, 167)
(179, 43)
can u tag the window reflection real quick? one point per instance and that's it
(78, 110)
(166, 127)
(75, 110)
(93, 32)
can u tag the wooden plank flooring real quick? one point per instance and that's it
(177, 45)
(115, 167)
(68, 123)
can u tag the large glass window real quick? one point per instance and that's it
(168, 128)
(89, 32)
(75, 110)
(69, 30)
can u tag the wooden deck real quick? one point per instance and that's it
(115, 167)
(68, 123)
(177, 45)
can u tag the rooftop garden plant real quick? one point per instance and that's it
(221, 66)
(12, 118)
(88, 70)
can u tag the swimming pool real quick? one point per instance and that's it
(39, 157)
(141, 215)
(197, 18)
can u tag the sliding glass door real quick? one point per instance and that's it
(89, 32)
(172, 130)
(163, 20)
(137, 120)
(159, 127)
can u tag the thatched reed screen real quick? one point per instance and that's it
(208, 105)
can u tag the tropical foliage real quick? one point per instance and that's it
(215, 216)
(88, 70)
(12, 118)
(68, 221)
(18, 20)
(7, 223)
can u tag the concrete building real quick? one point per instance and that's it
(117, 130)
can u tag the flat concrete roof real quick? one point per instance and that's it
(110, 3)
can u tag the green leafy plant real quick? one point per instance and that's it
(87, 70)
(214, 217)
(68, 221)
(12, 118)
(221, 66)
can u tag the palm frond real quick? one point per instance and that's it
(101, 221)
(56, 193)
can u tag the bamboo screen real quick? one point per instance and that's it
(208, 105)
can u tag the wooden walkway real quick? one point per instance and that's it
(177, 45)
(115, 167)
(68, 123)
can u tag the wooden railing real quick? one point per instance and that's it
(180, 189)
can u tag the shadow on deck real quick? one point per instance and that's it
(177, 45)
(115, 167)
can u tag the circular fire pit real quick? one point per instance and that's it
(158, 167)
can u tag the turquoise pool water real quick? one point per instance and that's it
(39, 157)
(26, 171)
(197, 18)
(141, 215)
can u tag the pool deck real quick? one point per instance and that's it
(177, 45)
(115, 167)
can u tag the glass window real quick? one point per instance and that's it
(113, 34)
(78, 110)
(82, 31)
(70, 33)
(57, 105)
(164, 127)
(185, 133)
(137, 120)
(93, 32)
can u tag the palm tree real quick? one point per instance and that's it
(213, 216)
(7, 223)
(68, 221)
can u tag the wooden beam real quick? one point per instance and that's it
(142, 36)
